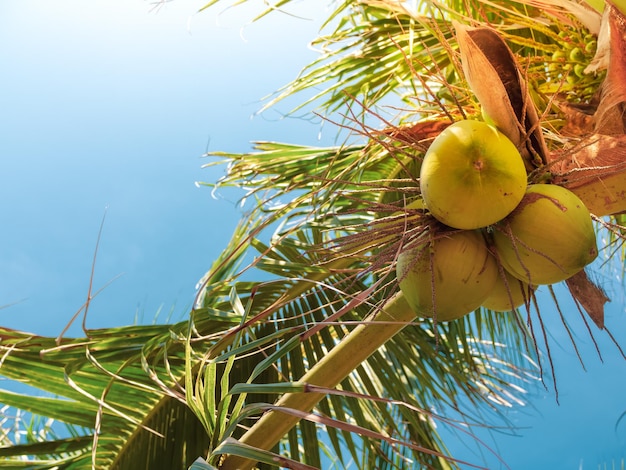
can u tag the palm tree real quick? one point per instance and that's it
(300, 321)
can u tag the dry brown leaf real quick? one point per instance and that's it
(579, 119)
(589, 296)
(594, 169)
(493, 75)
(418, 132)
(611, 113)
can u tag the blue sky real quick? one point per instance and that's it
(106, 104)
(109, 106)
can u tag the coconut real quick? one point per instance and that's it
(472, 176)
(447, 276)
(508, 293)
(548, 237)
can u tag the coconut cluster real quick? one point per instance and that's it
(501, 237)
(570, 63)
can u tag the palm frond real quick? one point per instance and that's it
(108, 384)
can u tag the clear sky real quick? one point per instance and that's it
(108, 104)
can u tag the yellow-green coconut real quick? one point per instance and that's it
(448, 276)
(508, 293)
(472, 175)
(548, 237)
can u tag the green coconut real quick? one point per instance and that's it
(448, 276)
(548, 238)
(508, 293)
(472, 175)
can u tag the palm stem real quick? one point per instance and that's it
(356, 347)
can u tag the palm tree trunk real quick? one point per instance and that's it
(357, 346)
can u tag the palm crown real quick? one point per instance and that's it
(303, 304)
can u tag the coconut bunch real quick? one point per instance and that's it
(499, 236)
(504, 228)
